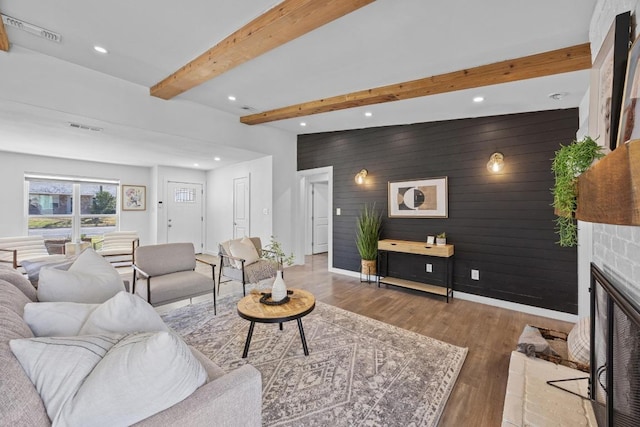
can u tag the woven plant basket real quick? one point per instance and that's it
(368, 267)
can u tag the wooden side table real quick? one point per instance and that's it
(301, 303)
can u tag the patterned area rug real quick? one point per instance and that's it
(359, 372)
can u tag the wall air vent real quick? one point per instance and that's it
(31, 29)
(84, 127)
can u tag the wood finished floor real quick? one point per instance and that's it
(490, 333)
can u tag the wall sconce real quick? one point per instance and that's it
(360, 176)
(496, 162)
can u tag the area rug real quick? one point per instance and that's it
(359, 372)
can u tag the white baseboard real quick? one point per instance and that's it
(536, 311)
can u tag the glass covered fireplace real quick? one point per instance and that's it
(615, 350)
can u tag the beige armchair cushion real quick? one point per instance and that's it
(171, 273)
(244, 249)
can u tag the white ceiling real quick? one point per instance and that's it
(388, 41)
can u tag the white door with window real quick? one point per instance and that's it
(320, 218)
(241, 212)
(185, 219)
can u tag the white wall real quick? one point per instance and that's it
(68, 88)
(614, 246)
(13, 221)
(219, 201)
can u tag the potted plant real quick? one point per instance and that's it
(441, 238)
(368, 227)
(569, 162)
(274, 252)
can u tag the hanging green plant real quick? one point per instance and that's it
(569, 162)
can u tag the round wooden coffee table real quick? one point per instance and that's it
(300, 304)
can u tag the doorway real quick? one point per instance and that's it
(303, 241)
(185, 220)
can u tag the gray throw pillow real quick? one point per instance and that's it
(531, 342)
(33, 267)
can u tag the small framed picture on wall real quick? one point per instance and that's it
(134, 197)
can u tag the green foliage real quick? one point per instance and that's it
(569, 162)
(103, 203)
(273, 252)
(368, 227)
(442, 235)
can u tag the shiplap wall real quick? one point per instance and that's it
(500, 224)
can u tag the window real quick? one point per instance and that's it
(70, 208)
(185, 195)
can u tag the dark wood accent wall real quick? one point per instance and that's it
(501, 224)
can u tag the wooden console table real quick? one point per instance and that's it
(405, 264)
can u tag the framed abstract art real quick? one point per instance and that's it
(134, 197)
(421, 198)
(608, 81)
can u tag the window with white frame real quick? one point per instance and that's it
(70, 208)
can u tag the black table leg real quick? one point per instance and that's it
(304, 341)
(246, 344)
(280, 326)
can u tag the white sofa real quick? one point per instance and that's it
(227, 398)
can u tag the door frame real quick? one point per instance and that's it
(303, 217)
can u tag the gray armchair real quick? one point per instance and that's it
(252, 273)
(168, 271)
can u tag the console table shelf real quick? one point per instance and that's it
(407, 257)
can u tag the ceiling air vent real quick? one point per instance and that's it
(31, 29)
(85, 127)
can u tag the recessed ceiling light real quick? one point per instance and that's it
(478, 99)
(231, 98)
(368, 113)
(196, 165)
(217, 159)
(303, 124)
(100, 49)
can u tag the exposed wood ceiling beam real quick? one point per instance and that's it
(4, 39)
(559, 61)
(281, 24)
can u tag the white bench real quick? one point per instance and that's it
(15, 250)
(118, 246)
(530, 401)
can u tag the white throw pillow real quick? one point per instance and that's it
(244, 249)
(140, 376)
(123, 313)
(91, 279)
(57, 319)
(58, 366)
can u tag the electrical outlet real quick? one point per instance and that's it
(475, 274)
(429, 268)
(338, 211)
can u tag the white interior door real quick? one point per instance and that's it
(241, 212)
(320, 219)
(185, 219)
